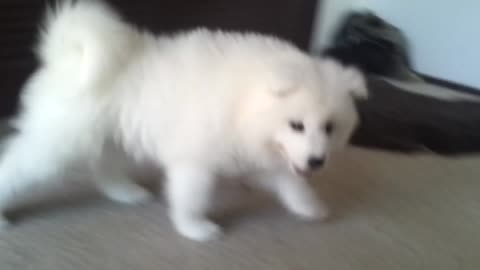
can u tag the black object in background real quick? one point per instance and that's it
(373, 45)
(392, 118)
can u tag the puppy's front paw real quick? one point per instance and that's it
(310, 210)
(199, 229)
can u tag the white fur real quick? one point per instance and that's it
(199, 104)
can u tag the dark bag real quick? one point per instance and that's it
(372, 44)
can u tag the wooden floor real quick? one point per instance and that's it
(390, 211)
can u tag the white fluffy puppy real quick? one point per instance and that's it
(199, 104)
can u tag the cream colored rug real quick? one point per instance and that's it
(390, 212)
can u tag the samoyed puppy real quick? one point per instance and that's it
(199, 104)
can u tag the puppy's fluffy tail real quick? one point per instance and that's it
(85, 38)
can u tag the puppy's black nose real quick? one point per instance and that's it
(316, 162)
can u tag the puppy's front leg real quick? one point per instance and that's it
(189, 190)
(298, 196)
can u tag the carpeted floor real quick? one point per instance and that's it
(390, 212)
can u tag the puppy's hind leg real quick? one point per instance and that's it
(110, 174)
(28, 159)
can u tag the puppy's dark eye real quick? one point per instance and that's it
(329, 127)
(297, 126)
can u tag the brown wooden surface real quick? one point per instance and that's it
(403, 121)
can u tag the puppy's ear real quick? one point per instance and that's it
(355, 83)
(284, 81)
(282, 90)
(346, 79)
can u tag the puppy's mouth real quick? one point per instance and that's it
(297, 170)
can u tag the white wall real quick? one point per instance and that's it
(444, 34)
(329, 14)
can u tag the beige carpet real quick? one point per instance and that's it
(391, 212)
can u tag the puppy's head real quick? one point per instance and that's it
(311, 111)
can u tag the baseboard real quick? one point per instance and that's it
(449, 84)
